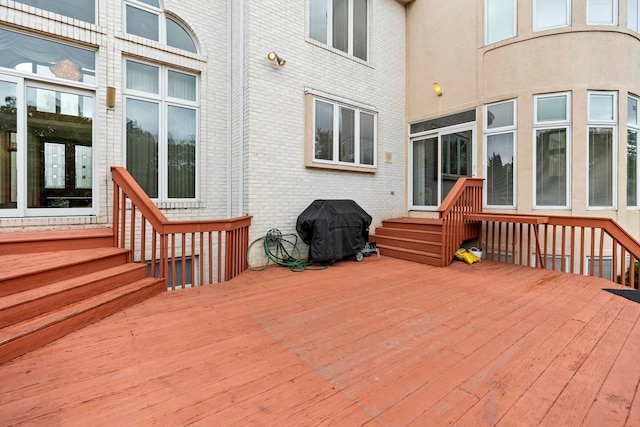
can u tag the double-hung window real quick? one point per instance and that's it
(161, 110)
(601, 124)
(341, 24)
(602, 12)
(144, 18)
(500, 18)
(633, 15)
(342, 134)
(551, 14)
(500, 144)
(551, 133)
(633, 129)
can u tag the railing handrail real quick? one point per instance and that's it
(456, 192)
(138, 197)
(169, 240)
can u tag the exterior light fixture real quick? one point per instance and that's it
(438, 89)
(111, 96)
(272, 56)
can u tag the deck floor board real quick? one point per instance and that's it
(381, 342)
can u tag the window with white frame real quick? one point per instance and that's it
(83, 10)
(161, 107)
(342, 134)
(499, 20)
(633, 129)
(601, 124)
(633, 15)
(552, 133)
(145, 18)
(342, 24)
(602, 12)
(551, 14)
(500, 131)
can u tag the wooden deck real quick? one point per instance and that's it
(381, 342)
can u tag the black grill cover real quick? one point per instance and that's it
(333, 229)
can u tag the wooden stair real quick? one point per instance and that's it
(411, 239)
(55, 282)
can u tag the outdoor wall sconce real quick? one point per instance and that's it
(272, 56)
(111, 96)
(438, 89)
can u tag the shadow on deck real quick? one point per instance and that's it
(382, 342)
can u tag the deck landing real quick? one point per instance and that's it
(382, 342)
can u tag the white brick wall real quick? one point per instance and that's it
(277, 186)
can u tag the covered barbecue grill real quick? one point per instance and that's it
(333, 229)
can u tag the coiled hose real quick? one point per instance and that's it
(273, 244)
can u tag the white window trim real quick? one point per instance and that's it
(555, 124)
(615, 15)
(329, 34)
(486, 23)
(357, 107)
(162, 98)
(512, 129)
(535, 15)
(612, 124)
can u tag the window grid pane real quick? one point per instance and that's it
(346, 135)
(601, 107)
(367, 129)
(142, 144)
(143, 77)
(500, 20)
(600, 167)
(318, 20)
(323, 146)
(601, 12)
(551, 167)
(500, 172)
(551, 108)
(550, 14)
(142, 23)
(632, 167)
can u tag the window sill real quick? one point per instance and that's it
(315, 165)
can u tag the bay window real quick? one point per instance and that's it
(551, 14)
(601, 124)
(633, 128)
(341, 24)
(500, 143)
(341, 135)
(602, 12)
(551, 133)
(500, 18)
(161, 130)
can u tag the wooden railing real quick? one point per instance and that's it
(182, 252)
(465, 198)
(569, 244)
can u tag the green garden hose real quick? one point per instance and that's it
(274, 243)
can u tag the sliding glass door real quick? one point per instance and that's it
(437, 161)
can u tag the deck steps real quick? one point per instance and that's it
(411, 239)
(45, 295)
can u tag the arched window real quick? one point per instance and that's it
(146, 19)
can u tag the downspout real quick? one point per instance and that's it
(241, 113)
(229, 108)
